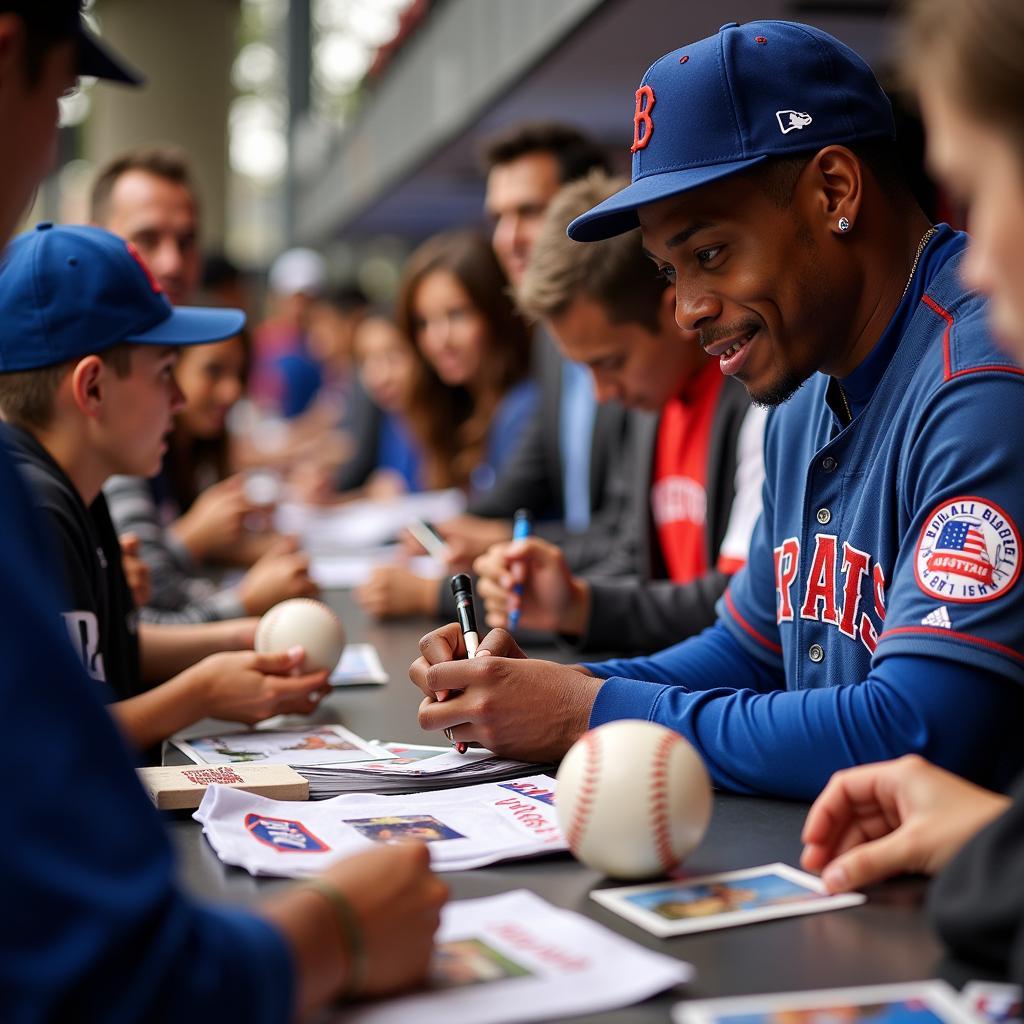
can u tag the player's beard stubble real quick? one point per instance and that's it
(808, 344)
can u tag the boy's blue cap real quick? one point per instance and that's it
(726, 103)
(66, 292)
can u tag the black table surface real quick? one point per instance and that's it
(885, 940)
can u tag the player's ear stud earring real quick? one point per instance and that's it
(843, 225)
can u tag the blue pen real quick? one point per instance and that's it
(522, 524)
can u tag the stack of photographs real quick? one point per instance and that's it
(336, 761)
(414, 768)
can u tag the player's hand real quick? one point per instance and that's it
(280, 574)
(393, 591)
(136, 572)
(397, 900)
(216, 521)
(895, 817)
(552, 598)
(243, 686)
(517, 707)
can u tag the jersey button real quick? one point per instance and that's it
(816, 653)
(824, 516)
(828, 464)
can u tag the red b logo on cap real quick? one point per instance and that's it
(642, 116)
(137, 256)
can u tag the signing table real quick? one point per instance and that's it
(885, 940)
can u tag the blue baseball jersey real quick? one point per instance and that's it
(899, 533)
(881, 609)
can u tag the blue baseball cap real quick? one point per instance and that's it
(736, 99)
(66, 292)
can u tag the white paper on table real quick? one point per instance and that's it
(924, 1001)
(297, 746)
(463, 828)
(359, 664)
(347, 571)
(358, 525)
(411, 760)
(514, 957)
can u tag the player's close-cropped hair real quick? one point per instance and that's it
(614, 272)
(575, 154)
(778, 177)
(977, 47)
(27, 396)
(167, 162)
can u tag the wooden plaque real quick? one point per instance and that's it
(177, 787)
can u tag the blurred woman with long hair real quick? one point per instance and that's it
(472, 395)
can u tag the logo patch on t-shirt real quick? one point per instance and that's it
(969, 551)
(283, 835)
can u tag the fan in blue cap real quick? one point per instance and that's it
(66, 292)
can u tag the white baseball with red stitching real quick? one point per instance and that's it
(633, 799)
(305, 623)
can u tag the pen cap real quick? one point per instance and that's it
(461, 584)
(522, 524)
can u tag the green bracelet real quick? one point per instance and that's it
(350, 930)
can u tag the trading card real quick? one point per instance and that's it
(360, 665)
(918, 1002)
(680, 906)
(306, 745)
(993, 1000)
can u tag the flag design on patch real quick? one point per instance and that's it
(961, 549)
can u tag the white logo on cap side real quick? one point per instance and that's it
(791, 120)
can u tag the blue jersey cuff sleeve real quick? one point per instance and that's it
(622, 698)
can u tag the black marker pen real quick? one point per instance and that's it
(462, 591)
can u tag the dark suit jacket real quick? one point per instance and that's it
(635, 608)
(533, 476)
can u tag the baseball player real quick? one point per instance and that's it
(880, 609)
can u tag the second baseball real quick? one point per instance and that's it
(633, 799)
(303, 622)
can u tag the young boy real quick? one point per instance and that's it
(87, 390)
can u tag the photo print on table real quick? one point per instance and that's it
(470, 962)
(392, 828)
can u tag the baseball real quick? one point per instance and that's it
(633, 799)
(308, 624)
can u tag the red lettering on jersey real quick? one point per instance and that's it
(855, 568)
(821, 581)
(787, 563)
(153, 282)
(642, 116)
(868, 633)
(878, 579)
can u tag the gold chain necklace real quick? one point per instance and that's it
(925, 239)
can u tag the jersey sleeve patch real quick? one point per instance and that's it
(968, 552)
